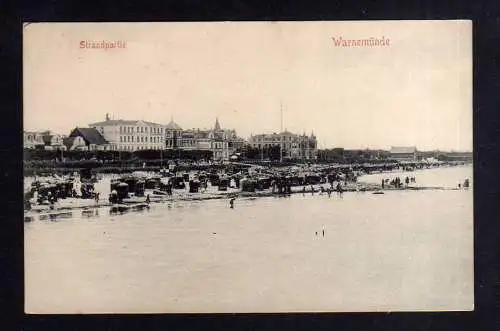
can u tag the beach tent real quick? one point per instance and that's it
(122, 190)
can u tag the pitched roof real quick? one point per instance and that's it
(47, 139)
(173, 126)
(68, 142)
(90, 135)
(403, 150)
(123, 122)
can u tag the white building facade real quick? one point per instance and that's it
(131, 136)
(222, 143)
(295, 146)
(33, 140)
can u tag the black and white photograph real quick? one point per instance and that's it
(248, 167)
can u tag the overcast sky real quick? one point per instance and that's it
(415, 92)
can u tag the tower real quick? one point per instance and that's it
(217, 125)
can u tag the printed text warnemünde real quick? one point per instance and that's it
(368, 42)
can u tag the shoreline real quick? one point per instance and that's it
(69, 204)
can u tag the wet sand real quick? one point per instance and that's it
(212, 193)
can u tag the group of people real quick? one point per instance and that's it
(338, 188)
(398, 182)
(281, 186)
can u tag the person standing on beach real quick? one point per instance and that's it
(383, 183)
(312, 190)
(407, 181)
(323, 230)
(339, 189)
(231, 203)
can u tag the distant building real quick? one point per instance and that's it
(53, 141)
(295, 146)
(404, 153)
(92, 139)
(33, 140)
(221, 142)
(75, 144)
(138, 135)
(131, 135)
(173, 135)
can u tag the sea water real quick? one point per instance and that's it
(403, 250)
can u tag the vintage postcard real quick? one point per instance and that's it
(248, 167)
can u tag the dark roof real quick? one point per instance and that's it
(173, 126)
(90, 135)
(47, 139)
(68, 142)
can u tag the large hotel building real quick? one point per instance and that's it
(295, 146)
(127, 135)
(141, 135)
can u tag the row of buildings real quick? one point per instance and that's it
(129, 135)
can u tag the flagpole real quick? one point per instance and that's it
(281, 138)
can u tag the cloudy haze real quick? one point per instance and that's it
(415, 92)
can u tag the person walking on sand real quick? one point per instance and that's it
(383, 184)
(312, 190)
(407, 181)
(339, 189)
(323, 230)
(148, 200)
(231, 203)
